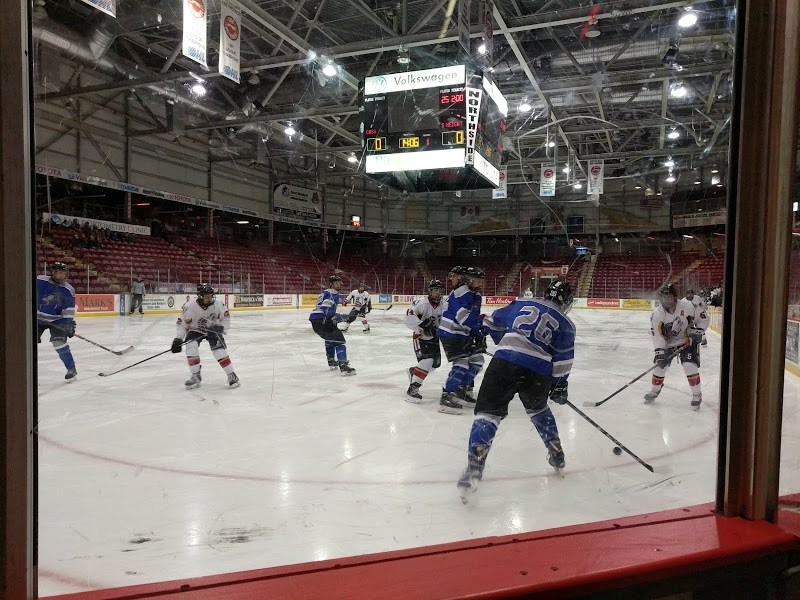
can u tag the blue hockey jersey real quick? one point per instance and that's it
(55, 303)
(327, 302)
(462, 314)
(534, 334)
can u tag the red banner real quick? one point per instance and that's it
(603, 302)
(94, 303)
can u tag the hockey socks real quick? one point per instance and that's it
(65, 355)
(481, 436)
(223, 359)
(341, 353)
(545, 424)
(459, 376)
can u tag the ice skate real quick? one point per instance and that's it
(333, 364)
(194, 381)
(651, 396)
(410, 372)
(465, 397)
(468, 484)
(233, 381)
(704, 342)
(71, 375)
(696, 401)
(412, 393)
(449, 404)
(346, 369)
(366, 330)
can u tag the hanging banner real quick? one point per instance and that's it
(230, 21)
(194, 30)
(463, 25)
(488, 27)
(107, 6)
(501, 191)
(594, 177)
(473, 112)
(547, 183)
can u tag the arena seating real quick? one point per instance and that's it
(631, 276)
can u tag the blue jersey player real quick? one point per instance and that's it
(55, 304)
(324, 319)
(462, 338)
(536, 347)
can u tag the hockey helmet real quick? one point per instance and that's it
(334, 279)
(690, 293)
(664, 293)
(61, 268)
(203, 290)
(435, 286)
(560, 293)
(362, 286)
(474, 273)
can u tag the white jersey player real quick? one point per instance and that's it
(362, 304)
(527, 294)
(204, 318)
(423, 317)
(674, 334)
(701, 319)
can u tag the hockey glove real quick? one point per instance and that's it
(176, 345)
(558, 393)
(696, 335)
(663, 357)
(428, 326)
(69, 327)
(216, 329)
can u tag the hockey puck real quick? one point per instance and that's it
(617, 450)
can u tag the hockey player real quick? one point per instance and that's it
(204, 318)
(422, 317)
(536, 347)
(701, 319)
(324, 319)
(362, 304)
(55, 304)
(674, 333)
(462, 339)
(527, 294)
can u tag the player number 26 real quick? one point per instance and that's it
(527, 320)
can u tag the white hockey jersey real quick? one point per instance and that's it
(701, 319)
(422, 309)
(359, 299)
(196, 318)
(669, 330)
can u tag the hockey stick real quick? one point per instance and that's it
(607, 398)
(609, 436)
(142, 361)
(384, 309)
(117, 352)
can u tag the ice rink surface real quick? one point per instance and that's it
(143, 481)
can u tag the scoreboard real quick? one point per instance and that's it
(433, 130)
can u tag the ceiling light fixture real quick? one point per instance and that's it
(674, 134)
(565, 169)
(669, 162)
(242, 222)
(525, 106)
(482, 49)
(715, 169)
(329, 70)
(551, 144)
(688, 19)
(577, 185)
(670, 178)
(403, 57)
(198, 89)
(290, 131)
(253, 79)
(715, 180)
(352, 158)
(678, 91)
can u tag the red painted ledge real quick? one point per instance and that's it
(556, 562)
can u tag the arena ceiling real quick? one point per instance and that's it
(599, 77)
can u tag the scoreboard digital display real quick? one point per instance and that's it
(437, 129)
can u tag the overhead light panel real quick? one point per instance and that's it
(715, 180)
(242, 222)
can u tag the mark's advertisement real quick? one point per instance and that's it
(248, 300)
(636, 303)
(281, 301)
(602, 302)
(94, 302)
